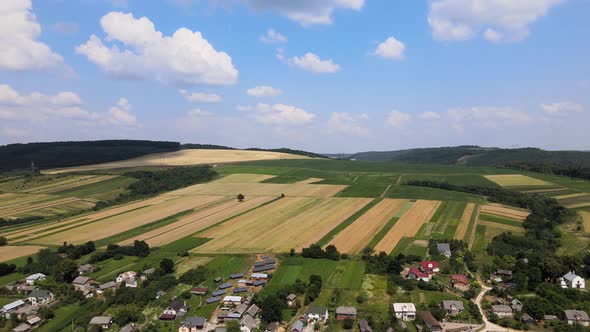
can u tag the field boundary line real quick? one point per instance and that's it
(473, 226)
(385, 191)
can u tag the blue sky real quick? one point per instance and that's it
(327, 76)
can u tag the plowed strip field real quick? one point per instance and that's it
(260, 189)
(503, 211)
(465, 219)
(358, 235)
(11, 252)
(408, 225)
(244, 178)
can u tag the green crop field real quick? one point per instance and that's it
(347, 275)
(293, 268)
(500, 220)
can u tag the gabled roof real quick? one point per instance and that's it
(36, 276)
(577, 315)
(291, 297)
(248, 322)
(317, 310)
(429, 265)
(298, 326)
(240, 290)
(81, 280)
(253, 310)
(101, 320)
(107, 285)
(501, 308)
(226, 285)
(13, 305)
(364, 326)
(459, 278)
(40, 293)
(346, 311)
(450, 305)
(230, 298)
(429, 319)
(177, 305)
(259, 275)
(85, 267)
(241, 309)
(194, 321)
(213, 299)
(264, 268)
(570, 276)
(415, 271)
(218, 293)
(236, 276)
(443, 248)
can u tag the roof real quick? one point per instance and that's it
(504, 272)
(213, 299)
(577, 315)
(127, 328)
(230, 298)
(21, 328)
(219, 292)
(226, 285)
(272, 326)
(265, 262)
(414, 270)
(346, 311)
(199, 290)
(33, 320)
(81, 280)
(501, 308)
(429, 265)
(259, 275)
(240, 290)
(550, 317)
(264, 268)
(249, 322)
(443, 248)
(297, 326)
(107, 285)
(236, 276)
(85, 267)
(101, 320)
(404, 307)
(364, 326)
(291, 297)
(177, 305)
(149, 271)
(253, 310)
(194, 321)
(449, 305)
(459, 278)
(36, 276)
(429, 319)
(317, 310)
(40, 293)
(13, 305)
(259, 283)
(570, 276)
(242, 309)
(167, 317)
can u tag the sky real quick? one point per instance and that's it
(325, 76)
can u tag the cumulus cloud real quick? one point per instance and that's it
(429, 116)
(282, 115)
(562, 108)
(307, 12)
(200, 97)
(397, 119)
(493, 117)
(347, 124)
(273, 37)
(121, 114)
(20, 48)
(264, 91)
(497, 20)
(391, 49)
(312, 63)
(185, 58)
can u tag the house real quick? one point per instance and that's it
(444, 249)
(297, 327)
(192, 324)
(550, 318)
(453, 308)
(145, 274)
(22, 328)
(231, 301)
(241, 310)
(253, 311)
(364, 326)
(504, 274)
(460, 282)
(291, 298)
(128, 328)
(106, 286)
(430, 321)
(516, 305)
(104, 322)
(272, 327)
(577, 317)
(129, 278)
(405, 311)
(33, 278)
(199, 291)
(259, 276)
(316, 313)
(82, 284)
(502, 310)
(40, 297)
(343, 313)
(429, 267)
(236, 276)
(175, 309)
(571, 280)
(414, 273)
(12, 306)
(33, 320)
(263, 268)
(86, 268)
(247, 324)
(527, 319)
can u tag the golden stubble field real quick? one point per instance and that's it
(464, 223)
(357, 236)
(186, 158)
(504, 211)
(408, 225)
(289, 223)
(516, 180)
(11, 252)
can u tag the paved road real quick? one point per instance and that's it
(488, 326)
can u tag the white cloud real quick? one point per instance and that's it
(562, 108)
(312, 63)
(497, 20)
(264, 91)
(273, 37)
(429, 116)
(244, 108)
(493, 117)
(185, 58)
(20, 48)
(347, 124)
(122, 114)
(282, 115)
(391, 48)
(398, 119)
(307, 12)
(198, 113)
(200, 97)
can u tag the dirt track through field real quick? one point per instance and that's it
(408, 225)
(465, 219)
(11, 252)
(289, 223)
(357, 236)
(503, 211)
(194, 222)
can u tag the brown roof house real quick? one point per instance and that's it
(343, 313)
(430, 321)
(453, 308)
(577, 317)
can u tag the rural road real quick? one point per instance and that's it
(487, 325)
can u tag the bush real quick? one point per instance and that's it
(348, 324)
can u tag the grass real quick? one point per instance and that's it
(104, 190)
(573, 240)
(110, 268)
(412, 192)
(448, 219)
(571, 183)
(368, 185)
(460, 180)
(500, 220)
(293, 268)
(348, 274)
(402, 245)
(7, 279)
(479, 242)
(331, 234)
(184, 244)
(63, 317)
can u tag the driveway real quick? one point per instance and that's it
(487, 325)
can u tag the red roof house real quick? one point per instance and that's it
(415, 273)
(429, 267)
(460, 281)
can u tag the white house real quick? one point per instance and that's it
(33, 278)
(405, 311)
(40, 297)
(316, 313)
(129, 277)
(571, 280)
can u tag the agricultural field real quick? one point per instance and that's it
(259, 189)
(8, 253)
(504, 211)
(466, 218)
(585, 220)
(516, 180)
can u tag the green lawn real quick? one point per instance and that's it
(293, 268)
(63, 317)
(348, 274)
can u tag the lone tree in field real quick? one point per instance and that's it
(241, 197)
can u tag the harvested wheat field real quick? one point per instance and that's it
(45, 229)
(186, 158)
(560, 197)
(357, 236)
(260, 189)
(465, 220)
(585, 220)
(578, 205)
(120, 223)
(31, 206)
(11, 252)
(504, 211)
(408, 225)
(310, 181)
(289, 223)
(12, 200)
(516, 180)
(244, 178)
(198, 221)
(506, 228)
(542, 191)
(49, 184)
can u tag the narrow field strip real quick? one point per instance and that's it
(479, 238)
(408, 225)
(124, 222)
(504, 211)
(575, 200)
(465, 220)
(585, 220)
(244, 178)
(500, 220)
(260, 189)
(290, 223)
(310, 181)
(503, 227)
(546, 190)
(450, 217)
(579, 205)
(11, 252)
(516, 180)
(65, 185)
(381, 234)
(561, 197)
(472, 228)
(25, 209)
(357, 236)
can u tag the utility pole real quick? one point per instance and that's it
(32, 168)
